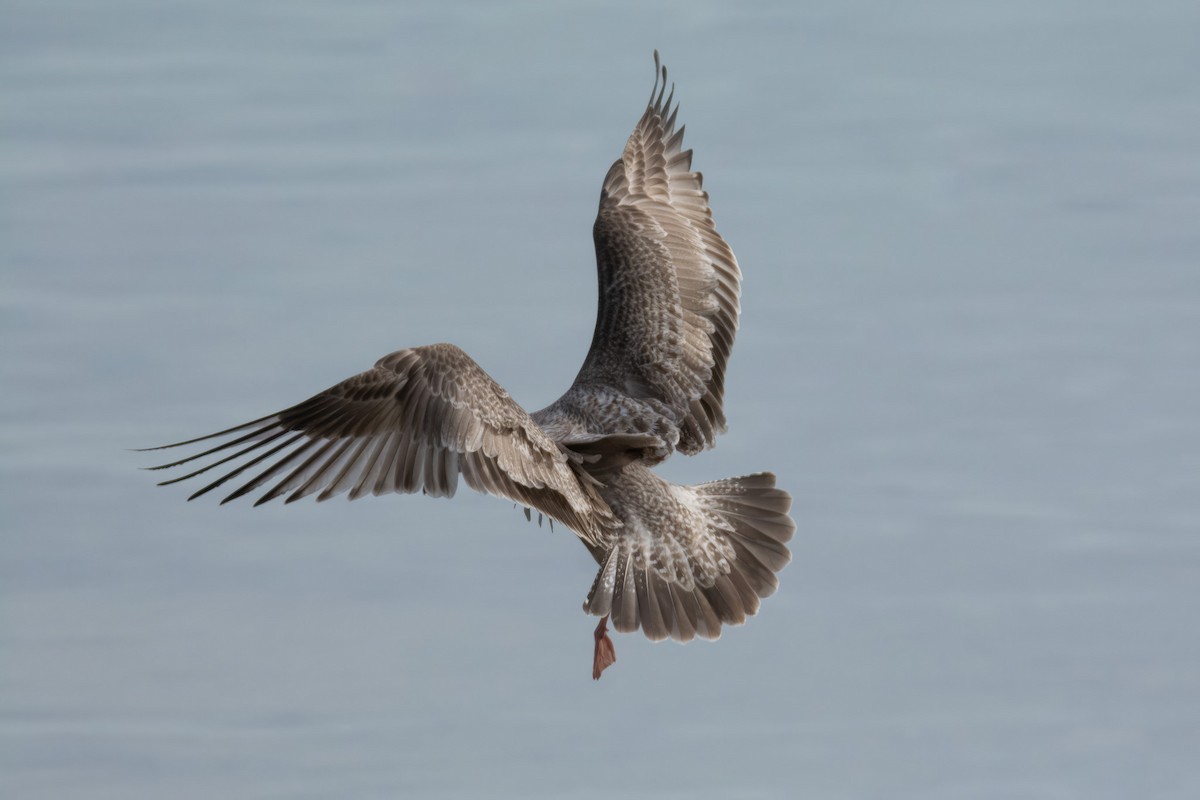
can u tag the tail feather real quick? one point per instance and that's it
(691, 558)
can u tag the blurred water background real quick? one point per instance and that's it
(970, 349)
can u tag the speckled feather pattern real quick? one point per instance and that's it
(677, 561)
(689, 558)
(668, 306)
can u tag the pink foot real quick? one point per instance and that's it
(605, 655)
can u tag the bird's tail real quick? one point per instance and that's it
(690, 558)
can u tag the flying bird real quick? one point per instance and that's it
(675, 561)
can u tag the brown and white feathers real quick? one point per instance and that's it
(676, 561)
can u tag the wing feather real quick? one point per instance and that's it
(411, 423)
(669, 284)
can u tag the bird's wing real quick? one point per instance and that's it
(669, 283)
(412, 422)
(689, 558)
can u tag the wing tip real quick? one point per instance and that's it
(659, 89)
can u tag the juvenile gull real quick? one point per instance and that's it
(675, 561)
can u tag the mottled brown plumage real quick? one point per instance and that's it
(675, 561)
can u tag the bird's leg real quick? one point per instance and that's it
(605, 654)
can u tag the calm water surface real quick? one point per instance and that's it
(970, 349)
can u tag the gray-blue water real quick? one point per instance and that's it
(970, 348)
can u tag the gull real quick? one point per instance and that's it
(675, 561)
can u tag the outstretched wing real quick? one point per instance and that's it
(413, 422)
(669, 283)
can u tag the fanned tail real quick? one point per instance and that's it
(691, 558)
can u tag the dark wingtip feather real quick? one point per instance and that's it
(225, 432)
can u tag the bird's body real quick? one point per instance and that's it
(676, 561)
